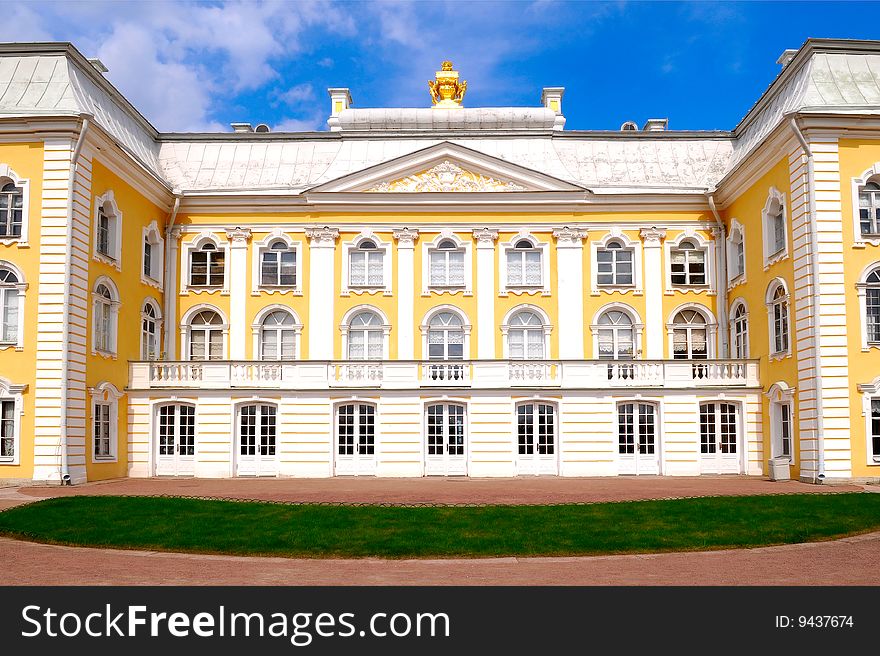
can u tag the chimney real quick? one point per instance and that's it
(241, 127)
(340, 100)
(551, 98)
(656, 125)
(98, 64)
(786, 57)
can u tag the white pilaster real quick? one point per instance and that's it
(172, 239)
(653, 277)
(486, 292)
(239, 238)
(322, 291)
(570, 291)
(406, 240)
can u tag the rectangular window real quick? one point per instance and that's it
(785, 428)
(688, 267)
(614, 267)
(7, 429)
(101, 432)
(872, 310)
(780, 327)
(207, 269)
(447, 268)
(778, 232)
(9, 315)
(875, 430)
(148, 259)
(103, 232)
(708, 439)
(11, 211)
(366, 269)
(524, 268)
(278, 269)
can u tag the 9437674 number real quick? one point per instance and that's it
(814, 622)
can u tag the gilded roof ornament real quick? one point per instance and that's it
(446, 91)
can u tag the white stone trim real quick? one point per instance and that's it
(15, 393)
(739, 278)
(711, 328)
(638, 326)
(570, 290)
(104, 201)
(542, 247)
(861, 292)
(406, 243)
(24, 184)
(259, 247)
(461, 245)
(195, 244)
(185, 328)
(870, 392)
(767, 228)
(781, 393)
(257, 330)
(152, 234)
(159, 319)
(237, 267)
(104, 393)
(485, 245)
(703, 244)
(634, 245)
(768, 303)
(856, 183)
(345, 327)
(115, 303)
(384, 247)
(545, 325)
(739, 300)
(322, 291)
(466, 328)
(21, 287)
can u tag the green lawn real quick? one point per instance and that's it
(316, 531)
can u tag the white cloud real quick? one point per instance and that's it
(297, 95)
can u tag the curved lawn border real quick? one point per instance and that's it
(252, 528)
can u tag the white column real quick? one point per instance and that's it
(570, 291)
(486, 328)
(238, 323)
(172, 239)
(653, 278)
(322, 291)
(406, 240)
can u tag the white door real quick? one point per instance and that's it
(536, 439)
(176, 441)
(257, 441)
(719, 438)
(637, 444)
(444, 440)
(356, 440)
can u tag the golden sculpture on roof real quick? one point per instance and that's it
(446, 91)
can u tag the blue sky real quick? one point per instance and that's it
(195, 66)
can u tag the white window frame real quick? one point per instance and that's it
(264, 245)
(638, 327)
(862, 293)
(857, 183)
(257, 330)
(384, 247)
(771, 328)
(105, 393)
(20, 287)
(771, 256)
(190, 247)
(185, 330)
(8, 175)
(781, 394)
(633, 245)
(711, 329)
(153, 236)
(158, 321)
(466, 327)
(14, 393)
(107, 201)
(739, 302)
(542, 247)
(467, 289)
(870, 392)
(734, 277)
(345, 327)
(707, 246)
(546, 326)
(114, 306)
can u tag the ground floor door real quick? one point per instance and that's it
(257, 441)
(537, 451)
(355, 440)
(176, 440)
(719, 438)
(444, 440)
(637, 444)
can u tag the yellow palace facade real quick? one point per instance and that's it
(441, 290)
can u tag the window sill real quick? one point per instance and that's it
(13, 241)
(9, 461)
(772, 259)
(152, 282)
(108, 260)
(268, 289)
(104, 459)
(107, 355)
(774, 357)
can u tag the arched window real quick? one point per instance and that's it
(278, 336)
(872, 306)
(616, 336)
(108, 230)
(736, 257)
(278, 265)
(690, 336)
(366, 337)
(366, 265)
(149, 332)
(614, 264)
(11, 210)
(105, 305)
(153, 257)
(206, 336)
(688, 264)
(777, 308)
(447, 265)
(869, 209)
(739, 332)
(775, 239)
(524, 267)
(525, 336)
(445, 337)
(207, 266)
(11, 291)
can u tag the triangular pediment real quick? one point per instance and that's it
(445, 168)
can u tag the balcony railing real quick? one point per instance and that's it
(476, 374)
